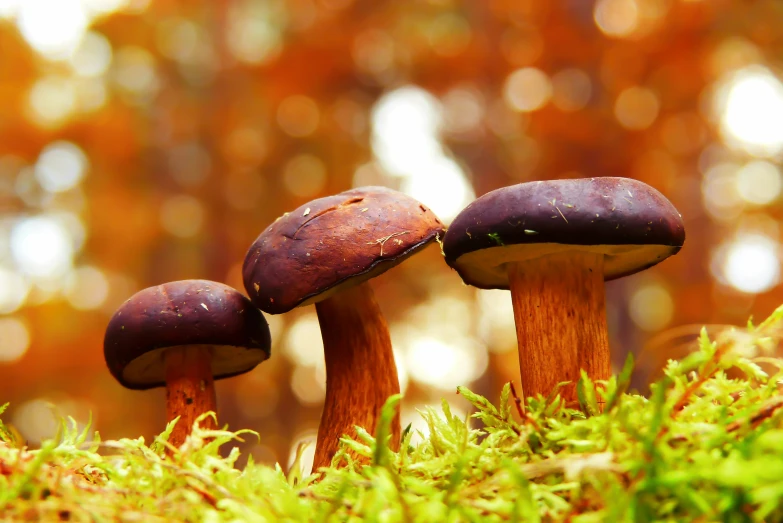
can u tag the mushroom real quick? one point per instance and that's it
(324, 253)
(184, 335)
(553, 244)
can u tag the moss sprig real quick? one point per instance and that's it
(706, 445)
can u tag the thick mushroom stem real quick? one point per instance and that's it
(560, 315)
(360, 369)
(190, 389)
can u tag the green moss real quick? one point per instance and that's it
(702, 447)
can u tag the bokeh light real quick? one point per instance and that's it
(104, 7)
(571, 89)
(463, 110)
(303, 343)
(91, 94)
(443, 187)
(750, 103)
(36, 420)
(13, 290)
(496, 320)
(182, 215)
(759, 182)
(304, 175)
(135, 72)
(409, 120)
(636, 108)
(403, 377)
(14, 339)
(298, 116)
(61, 166)
(308, 384)
(406, 129)
(441, 365)
(93, 55)
(719, 189)
(437, 345)
(373, 52)
(618, 18)
(750, 263)
(39, 418)
(52, 100)
(733, 53)
(53, 27)
(8, 8)
(651, 306)
(182, 40)
(86, 288)
(527, 89)
(255, 34)
(42, 246)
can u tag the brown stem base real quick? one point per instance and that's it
(360, 369)
(190, 389)
(560, 315)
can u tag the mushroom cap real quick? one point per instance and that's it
(187, 312)
(628, 221)
(334, 242)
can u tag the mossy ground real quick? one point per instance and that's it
(702, 447)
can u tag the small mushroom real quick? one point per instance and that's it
(323, 253)
(184, 335)
(553, 244)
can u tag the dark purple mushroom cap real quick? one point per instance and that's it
(188, 312)
(334, 242)
(628, 221)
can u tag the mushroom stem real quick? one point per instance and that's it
(190, 389)
(360, 369)
(560, 315)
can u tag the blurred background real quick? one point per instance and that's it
(151, 140)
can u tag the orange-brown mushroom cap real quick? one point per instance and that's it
(311, 253)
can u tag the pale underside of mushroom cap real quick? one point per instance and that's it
(633, 225)
(192, 313)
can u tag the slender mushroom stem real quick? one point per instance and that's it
(560, 315)
(360, 369)
(190, 389)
